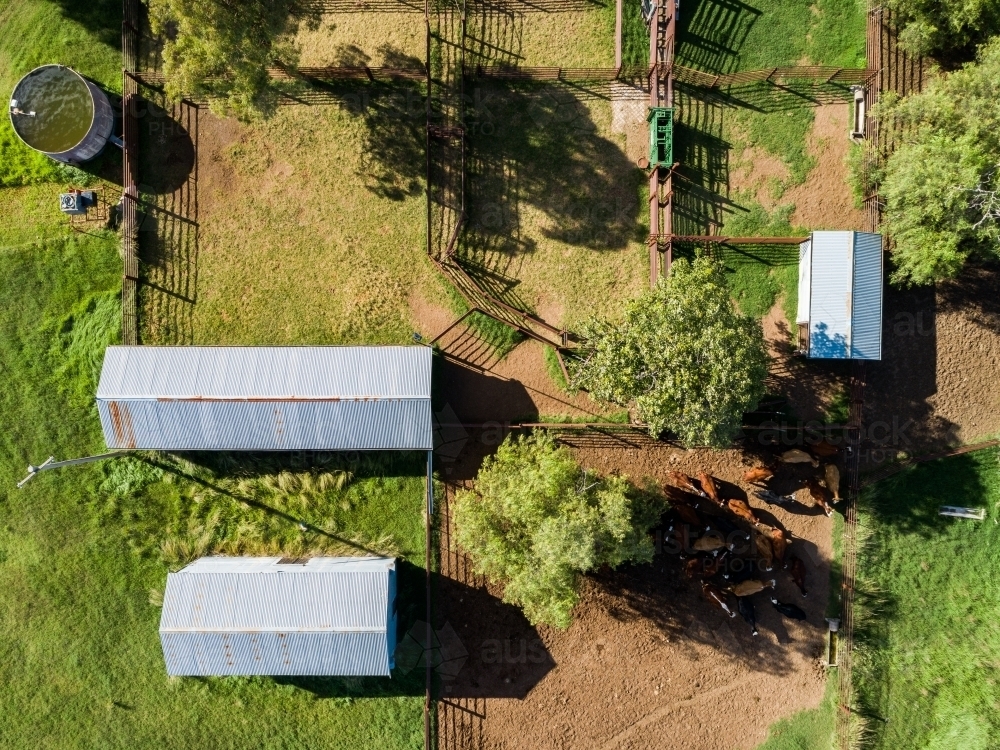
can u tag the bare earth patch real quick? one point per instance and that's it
(755, 172)
(480, 388)
(824, 200)
(936, 383)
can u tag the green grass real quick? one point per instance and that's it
(782, 134)
(83, 36)
(635, 35)
(759, 275)
(806, 730)
(554, 370)
(723, 38)
(81, 549)
(928, 618)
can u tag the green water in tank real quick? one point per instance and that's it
(63, 107)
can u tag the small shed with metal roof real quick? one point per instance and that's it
(324, 616)
(246, 398)
(840, 296)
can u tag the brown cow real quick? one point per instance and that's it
(686, 483)
(687, 514)
(717, 596)
(823, 449)
(764, 549)
(751, 587)
(832, 474)
(818, 495)
(798, 571)
(741, 509)
(704, 566)
(757, 475)
(709, 542)
(708, 485)
(779, 544)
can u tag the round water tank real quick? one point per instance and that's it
(57, 111)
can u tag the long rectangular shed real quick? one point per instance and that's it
(840, 296)
(271, 616)
(245, 398)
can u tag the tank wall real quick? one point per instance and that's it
(97, 137)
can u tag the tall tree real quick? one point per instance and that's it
(947, 28)
(940, 185)
(222, 49)
(682, 354)
(534, 521)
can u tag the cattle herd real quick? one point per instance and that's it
(725, 544)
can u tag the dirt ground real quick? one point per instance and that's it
(935, 386)
(811, 386)
(824, 200)
(647, 661)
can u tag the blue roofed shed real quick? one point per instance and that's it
(840, 296)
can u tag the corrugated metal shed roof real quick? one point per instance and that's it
(844, 306)
(866, 325)
(265, 372)
(331, 616)
(267, 398)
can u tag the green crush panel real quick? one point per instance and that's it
(661, 136)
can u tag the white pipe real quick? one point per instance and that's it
(51, 463)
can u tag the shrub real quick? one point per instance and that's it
(535, 521)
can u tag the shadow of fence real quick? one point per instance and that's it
(168, 242)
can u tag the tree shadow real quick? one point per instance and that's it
(537, 147)
(103, 18)
(898, 387)
(168, 236)
(495, 652)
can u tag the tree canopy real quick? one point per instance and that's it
(946, 27)
(691, 364)
(222, 49)
(940, 185)
(535, 520)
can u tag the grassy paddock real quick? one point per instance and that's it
(812, 729)
(329, 246)
(553, 203)
(927, 635)
(84, 552)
